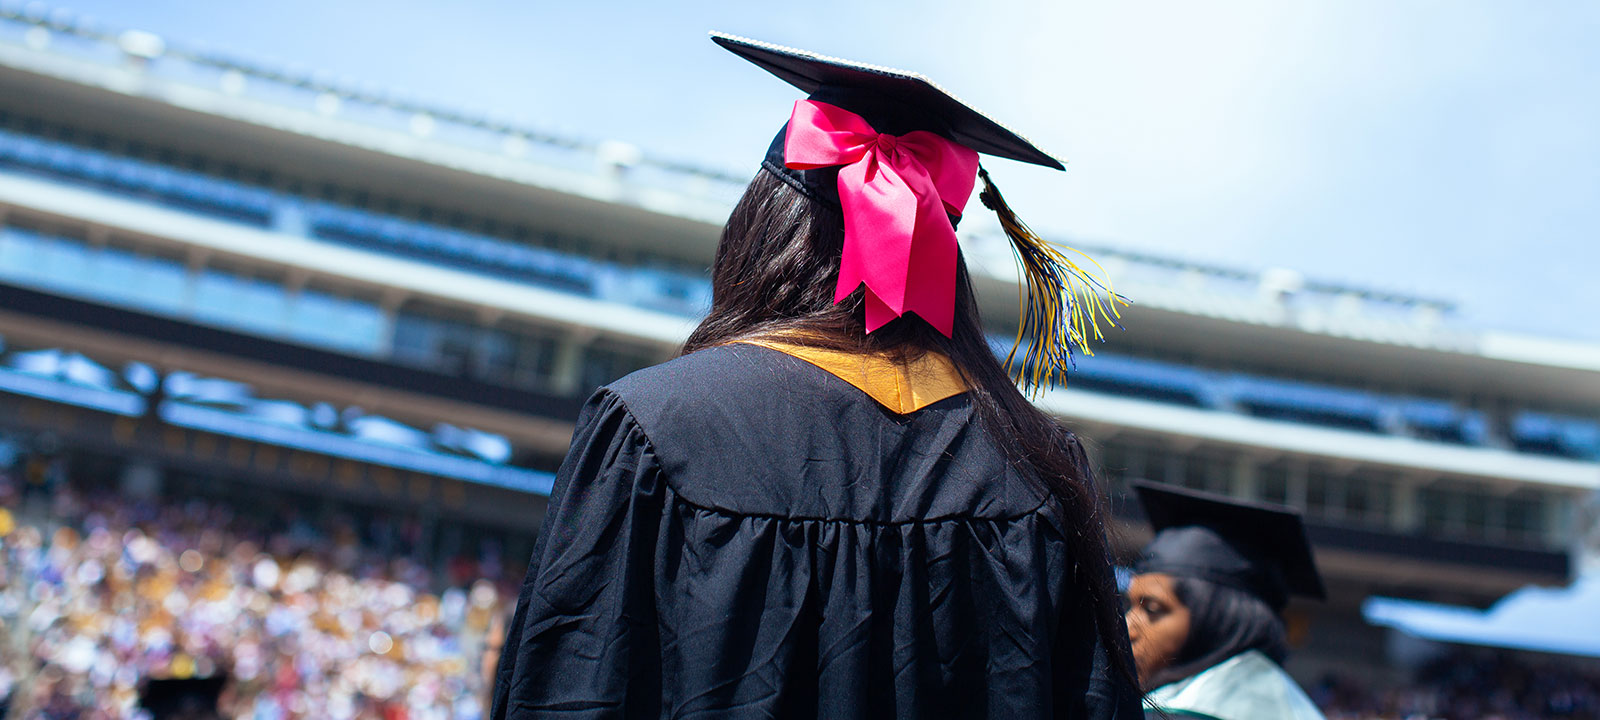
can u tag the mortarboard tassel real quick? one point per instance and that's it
(1052, 330)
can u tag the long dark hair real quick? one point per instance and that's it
(1223, 622)
(775, 272)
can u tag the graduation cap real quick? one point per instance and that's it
(859, 119)
(1256, 547)
(186, 698)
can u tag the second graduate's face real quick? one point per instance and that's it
(1158, 623)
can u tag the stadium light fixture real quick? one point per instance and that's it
(1280, 284)
(422, 125)
(327, 103)
(232, 82)
(36, 38)
(142, 45)
(618, 157)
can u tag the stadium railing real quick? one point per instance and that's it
(1311, 403)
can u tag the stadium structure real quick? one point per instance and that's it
(229, 280)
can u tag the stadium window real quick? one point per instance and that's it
(337, 320)
(244, 298)
(1524, 518)
(1366, 498)
(550, 240)
(1457, 509)
(1437, 512)
(522, 357)
(1272, 481)
(434, 339)
(1113, 459)
(1476, 515)
(141, 280)
(455, 347)
(1144, 461)
(495, 360)
(60, 263)
(414, 338)
(1325, 492)
(602, 364)
(535, 359)
(1166, 464)
(1205, 469)
(21, 250)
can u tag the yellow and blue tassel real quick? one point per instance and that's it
(1062, 305)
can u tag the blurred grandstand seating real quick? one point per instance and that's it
(658, 289)
(331, 619)
(652, 288)
(1555, 435)
(1312, 403)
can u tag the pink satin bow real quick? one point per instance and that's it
(897, 194)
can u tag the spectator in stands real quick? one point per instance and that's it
(1203, 606)
(823, 510)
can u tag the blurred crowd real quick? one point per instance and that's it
(338, 619)
(104, 593)
(1466, 685)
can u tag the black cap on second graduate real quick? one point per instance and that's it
(182, 697)
(1256, 547)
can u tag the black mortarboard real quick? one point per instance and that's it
(894, 101)
(1256, 547)
(182, 697)
(1065, 303)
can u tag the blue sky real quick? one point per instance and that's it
(1444, 147)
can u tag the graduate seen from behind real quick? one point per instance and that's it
(1205, 601)
(836, 503)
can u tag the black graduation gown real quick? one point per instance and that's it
(739, 534)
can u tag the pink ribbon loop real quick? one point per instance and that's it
(897, 193)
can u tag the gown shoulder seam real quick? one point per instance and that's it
(680, 497)
(952, 518)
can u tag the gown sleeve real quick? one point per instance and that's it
(583, 640)
(1089, 686)
(1109, 697)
